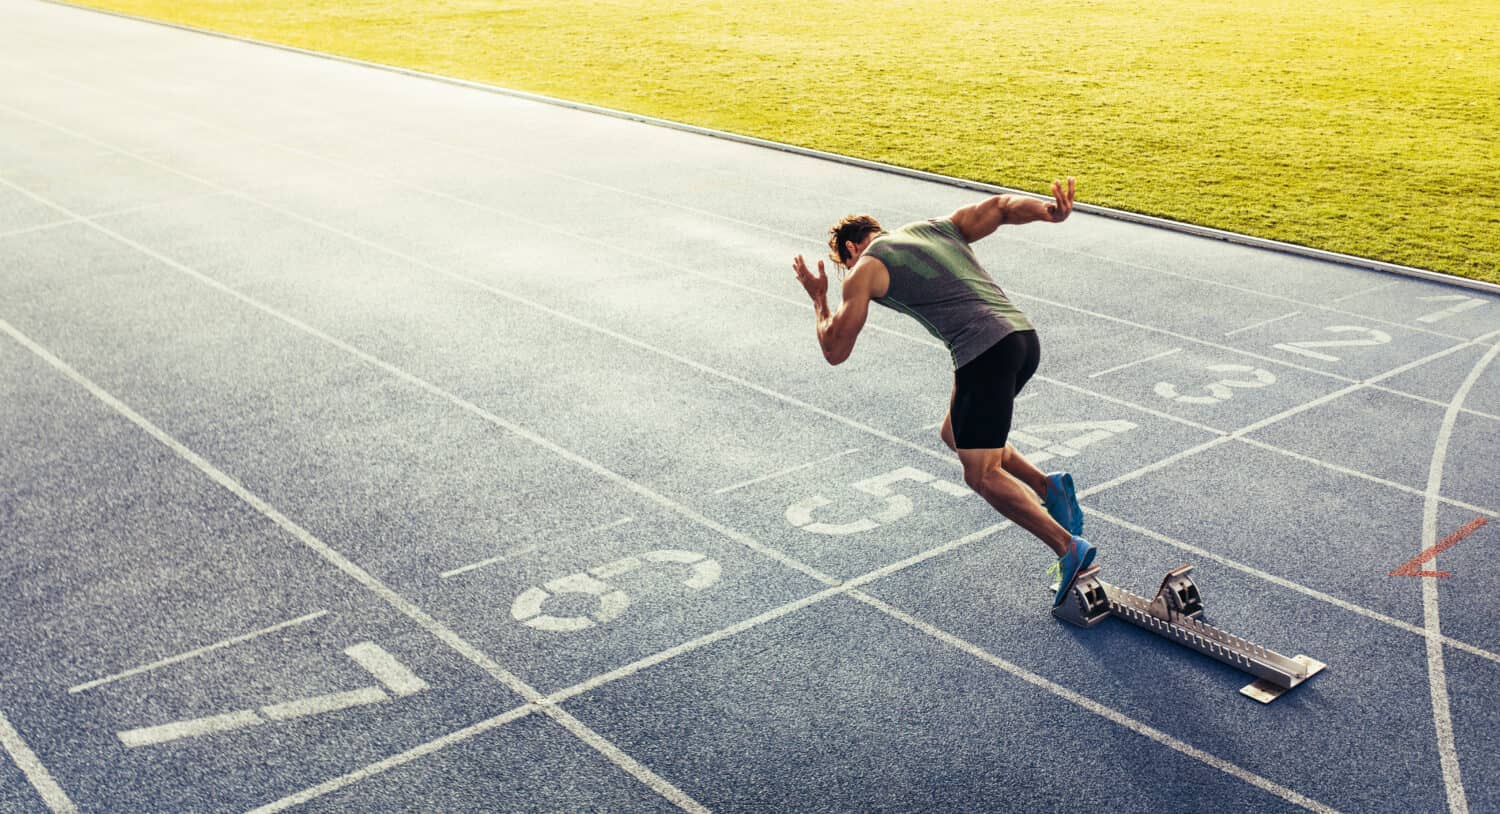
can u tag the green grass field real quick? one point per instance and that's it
(1355, 126)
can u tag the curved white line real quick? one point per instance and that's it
(1442, 718)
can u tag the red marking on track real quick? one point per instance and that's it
(1409, 568)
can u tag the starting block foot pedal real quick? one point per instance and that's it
(1177, 595)
(1086, 604)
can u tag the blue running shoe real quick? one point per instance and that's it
(1062, 504)
(1070, 565)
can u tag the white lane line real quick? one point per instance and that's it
(30, 765)
(394, 761)
(319, 704)
(1262, 323)
(41, 227)
(109, 213)
(1130, 405)
(1154, 466)
(1186, 338)
(392, 674)
(1152, 357)
(525, 550)
(1362, 292)
(1297, 587)
(692, 644)
(191, 654)
(1086, 703)
(196, 727)
(1435, 402)
(1344, 470)
(407, 608)
(1442, 716)
(496, 560)
(787, 471)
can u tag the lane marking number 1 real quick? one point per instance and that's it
(1462, 304)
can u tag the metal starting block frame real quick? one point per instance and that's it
(1176, 614)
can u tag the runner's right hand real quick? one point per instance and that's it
(816, 285)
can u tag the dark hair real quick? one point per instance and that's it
(852, 227)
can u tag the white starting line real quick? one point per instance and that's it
(525, 550)
(146, 668)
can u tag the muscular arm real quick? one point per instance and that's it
(837, 330)
(980, 220)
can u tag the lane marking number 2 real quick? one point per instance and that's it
(527, 609)
(1372, 337)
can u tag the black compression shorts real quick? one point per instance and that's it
(984, 390)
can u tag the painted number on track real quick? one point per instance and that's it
(1460, 305)
(1221, 390)
(1371, 338)
(612, 602)
(1073, 437)
(897, 506)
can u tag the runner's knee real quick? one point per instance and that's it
(994, 484)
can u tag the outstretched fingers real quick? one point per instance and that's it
(1062, 200)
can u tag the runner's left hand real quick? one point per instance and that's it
(1062, 202)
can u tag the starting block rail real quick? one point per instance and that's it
(1176, 614)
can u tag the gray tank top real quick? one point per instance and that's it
(936, 279)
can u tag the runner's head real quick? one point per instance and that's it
(848, 238)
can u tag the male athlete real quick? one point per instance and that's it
(927, 271)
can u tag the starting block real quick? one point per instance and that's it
(1176, 613)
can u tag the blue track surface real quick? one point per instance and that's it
(376, 444)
